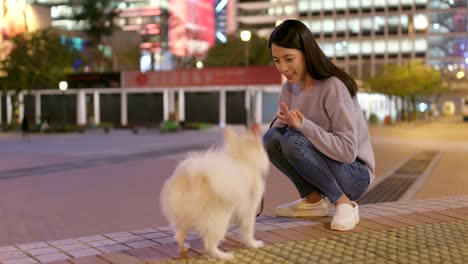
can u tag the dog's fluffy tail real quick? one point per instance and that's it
(178, 187)
(212, 171)
(226, 176)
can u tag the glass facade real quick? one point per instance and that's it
(262, 16)
(362, 35)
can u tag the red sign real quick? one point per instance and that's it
(191, 27)
(255, 75)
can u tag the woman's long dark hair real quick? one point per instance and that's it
(293, 34)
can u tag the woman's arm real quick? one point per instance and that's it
(341, 142)
(285, 97)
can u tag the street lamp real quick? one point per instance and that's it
(63, 86)
(245, 37)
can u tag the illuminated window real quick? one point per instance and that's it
(393, 46)
(366, 47)
(366, 25)
(354, 4)
(353, 48)
(379, 4)
(379, 25)
(404, 21)
(289, 10)
(439, 5)
(328, 5)
(341, 48)
(379, 46)
(393, 5)
(315, 5)
(328, 25)
(316, 26)
(366, 5)
(393, 23)
(329, 49)
(303, 6)
(61, 11)
(420, 22)
(341, 25)
(354, 26)
(406, 2)
(340, 4)
(420, 44)
(406, 45)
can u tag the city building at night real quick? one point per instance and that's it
(168, 30)
(262, 16)
(360, 36)
(363, 35)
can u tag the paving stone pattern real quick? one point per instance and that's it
(419, 231)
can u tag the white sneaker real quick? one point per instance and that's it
(301, 208)
(346, 217)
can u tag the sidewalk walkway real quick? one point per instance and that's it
(418, 231)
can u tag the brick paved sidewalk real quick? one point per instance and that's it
(418, 231)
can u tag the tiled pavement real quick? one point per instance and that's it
(418, 231)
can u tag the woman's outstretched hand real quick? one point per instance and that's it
(293, 118)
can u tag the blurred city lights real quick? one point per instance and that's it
(420, 21)
(63, 86)
(221, 37)
(422, 107)
(199, 64)
(245, 35)
(221, 5)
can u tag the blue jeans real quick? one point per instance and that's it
(310, 170)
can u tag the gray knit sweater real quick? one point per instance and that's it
(333, 121)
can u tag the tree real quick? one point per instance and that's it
(432, 83)
(128, 58)
(99, 18)
(412, 79)
(231, 53)
(37, 61)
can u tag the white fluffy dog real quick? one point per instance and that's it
(210, 190)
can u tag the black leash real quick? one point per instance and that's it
(263, 198)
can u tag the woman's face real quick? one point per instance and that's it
(290, 63)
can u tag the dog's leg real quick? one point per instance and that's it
(213, 236)
(211, 246)
(247, 227)
(247, 223)
(180, 237)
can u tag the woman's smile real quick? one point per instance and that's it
(289, 76)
